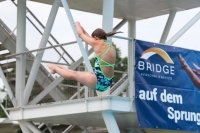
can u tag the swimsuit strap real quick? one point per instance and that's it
(106, 50)
(107, 64)
(100, 57)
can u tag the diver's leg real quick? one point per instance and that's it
(86, 78)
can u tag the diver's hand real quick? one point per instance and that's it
(77, 23)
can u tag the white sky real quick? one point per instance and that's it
(148, 29)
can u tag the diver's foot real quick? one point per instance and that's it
(51, 67)
(184, 64)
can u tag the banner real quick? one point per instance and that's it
(167, 86)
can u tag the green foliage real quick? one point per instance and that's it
(2, 89)
(2, 114)
(19, 131)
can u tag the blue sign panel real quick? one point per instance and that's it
(167, 83)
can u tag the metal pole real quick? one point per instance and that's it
(110, 122)
(184, 29)
(131, 54)
(68, 129)
(24, 128)
(40, 49)
(108, 11)
(20, 47)
(117, 27)
(8, 89)
(87, 62)
(168, 26)
(78, 88)
(107, 25)
(36, 64)
(32, 127)
(86, 88)
(121, 88)
(41, 125)
(4, 110)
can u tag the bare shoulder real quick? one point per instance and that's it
(89, 40)
(100, 47)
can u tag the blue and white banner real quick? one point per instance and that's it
(167, 87)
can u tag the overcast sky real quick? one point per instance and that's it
(149, 29)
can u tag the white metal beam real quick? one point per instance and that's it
(4, 109)
(86, 88)
(108, 12)
(131, 56)
(117, 27)
(90, 105)
(184, 29)
(121, 88)
(20, 47)
(67, 130)
(168, 25)
(110, 122)
(44, 40)
(107, 24)
(70, 18)
(24, 128)
(8, 89)
(32, 127)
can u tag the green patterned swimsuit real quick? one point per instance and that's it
(103, 83)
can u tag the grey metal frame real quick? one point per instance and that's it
(117, 27)
(184, 29)
(168, 26)
(131, 54)
(67, 10)
(39, 55)
(20, 60)
(8, 89)
(40, 49)
(107, 25)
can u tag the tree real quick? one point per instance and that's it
(2, 113)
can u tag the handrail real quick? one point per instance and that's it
(116, 85)
(5, 27)
(41, 49)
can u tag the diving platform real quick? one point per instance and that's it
(87, 113)
(82, 112)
